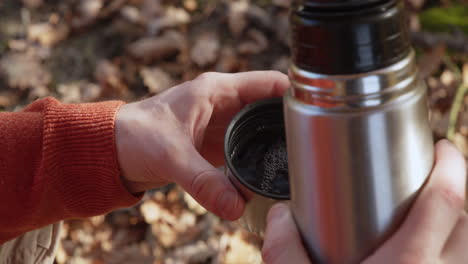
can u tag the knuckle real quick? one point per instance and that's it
(199, 183)
(415, 256)
(450, 197)
(207, 76)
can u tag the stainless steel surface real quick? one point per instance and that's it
(359, 147)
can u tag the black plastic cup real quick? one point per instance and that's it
(249, 136)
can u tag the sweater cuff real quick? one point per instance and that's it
(80, 156)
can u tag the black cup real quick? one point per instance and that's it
(256, 160)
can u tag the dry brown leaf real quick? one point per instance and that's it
(416, 4)
(281, 64)
(194, 205)
(157, 48)
(134, 253)
(48, 34)
(431, 61)
(228, 60)
(198, 252)
(206, 49)
(283, 3)
(23, 71)
(447, 78)
(131, 14)
(238, 250)
(237, 16)
(258, 42)
(156, 79)
(18, 45)
(32, 3)
(190, 5)
(414, 23)
(259, 16)
(172, 17)
(111, 7)
(282, 27)
(151, 8)
(110, 79)
(8, 99)
(439, 122)
(87, 12)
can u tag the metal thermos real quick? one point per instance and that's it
(358, 137)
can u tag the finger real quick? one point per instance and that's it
(256, 85)
(436, 210)
(208, 185)
(233, 91)
(283, 243)
(455, 250)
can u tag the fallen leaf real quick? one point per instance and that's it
(431, 61)
(110, 79)
(283, 3)
(237, 17)
(23, 71)
(32, 3)
(259, 16)
(190, 5)
(87, 11)
(238, 250)
(257, 43)
(157, 48)
(206, 49)
(172, 17)
(439, 123)
(281, 64)
(48, 34)
(282, 31)
(194, 205)
(228, 60)
(156, 79)
(8, 99)
(198, 252)
(131, 14)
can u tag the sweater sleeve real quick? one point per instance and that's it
(58, 161)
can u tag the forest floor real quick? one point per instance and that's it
(92, 50)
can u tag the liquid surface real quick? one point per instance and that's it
(262, 161)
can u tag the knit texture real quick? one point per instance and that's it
(58, 161)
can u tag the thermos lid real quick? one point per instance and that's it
(348, 36)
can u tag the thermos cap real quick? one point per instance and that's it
(339, 37)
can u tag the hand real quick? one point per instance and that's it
(178, 136)
(435, 231)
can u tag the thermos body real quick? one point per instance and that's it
(359, 149)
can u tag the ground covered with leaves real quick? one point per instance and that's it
(92, 50)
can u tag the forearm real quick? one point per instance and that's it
(58, 161)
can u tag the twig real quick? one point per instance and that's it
(457, 101)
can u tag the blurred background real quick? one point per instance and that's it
(92, 50)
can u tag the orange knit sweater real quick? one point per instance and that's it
(58, 161)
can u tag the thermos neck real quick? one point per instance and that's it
(360, 90)
(348, 36)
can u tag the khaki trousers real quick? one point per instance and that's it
(35, 247)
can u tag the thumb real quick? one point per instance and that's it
(435, 211)
(283, 243)
(209, 186)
